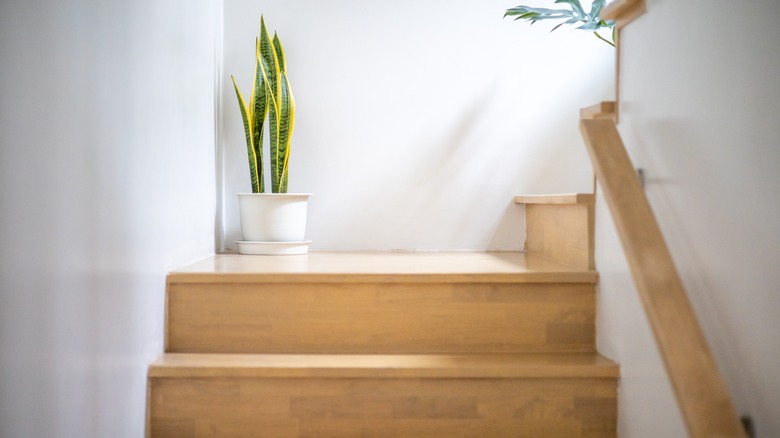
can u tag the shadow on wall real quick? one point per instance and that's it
(509, 233)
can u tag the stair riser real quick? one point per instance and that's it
(201, 407)
(561, 232)
(380, 318)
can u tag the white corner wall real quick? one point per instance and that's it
(417, 121)
(106, 181)
(699, 113)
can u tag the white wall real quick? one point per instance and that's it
(699, 112)
(106, 181)
(418, 120)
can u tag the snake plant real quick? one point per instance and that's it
(591, 21)
(271, 98)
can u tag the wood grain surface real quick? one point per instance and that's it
(399, 407)
(561, 228)
(381, 345)
(380, 318)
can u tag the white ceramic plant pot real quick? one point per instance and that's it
(273, 217)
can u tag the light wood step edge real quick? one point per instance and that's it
(382, 267)
(537, 365)
(530, 277)
(569, 198)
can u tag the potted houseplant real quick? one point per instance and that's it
(275, 222)
(575, 15)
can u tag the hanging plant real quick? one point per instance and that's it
(575, 15)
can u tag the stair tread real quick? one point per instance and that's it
(394, 266)
(532, 365)
(564, 199)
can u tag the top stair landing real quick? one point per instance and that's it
(394, 266)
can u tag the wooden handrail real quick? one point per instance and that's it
(623, 11)
(697, 384)
(601, 110)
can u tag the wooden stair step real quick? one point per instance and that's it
(393, 266)
(535, 365)
(572, 395)
(371, 303)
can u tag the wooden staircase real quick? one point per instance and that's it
(382, 345)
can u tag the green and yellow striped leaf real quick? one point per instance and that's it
(279, 53)
(274, 123)
(281, 107)
(259, 108)
(254, 169)
(286, 125)
(269, 61)
(271, 97)
(281, 122)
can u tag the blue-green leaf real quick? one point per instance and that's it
(575, 5)
(590, 25)
(524, 9)
(595, 9)
(589, 22)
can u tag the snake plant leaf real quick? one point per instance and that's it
(270, 63)
(255, 170)
(279, 53)
(286, 107)
(270, 70)
(286, 124)
(271, 98)
(286, 120)
(273, 127)
(259, 110)
(254, 81)
(271, 74)
(281, 108)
